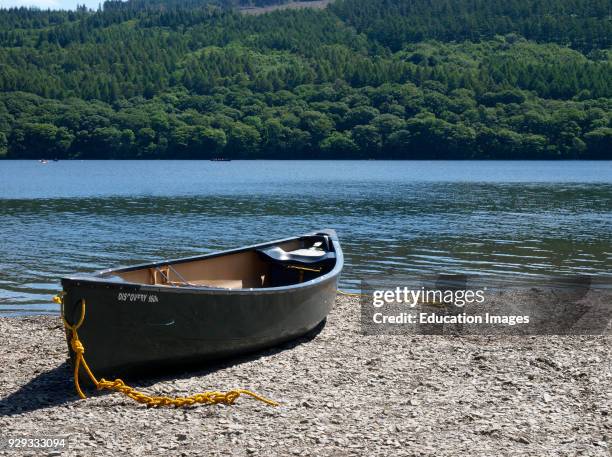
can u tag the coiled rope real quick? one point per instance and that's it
(208, 398)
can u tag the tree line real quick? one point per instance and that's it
(362, 79)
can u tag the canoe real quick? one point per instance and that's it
(185, 312)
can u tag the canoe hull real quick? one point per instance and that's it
(132, 329)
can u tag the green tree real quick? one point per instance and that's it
(367, 139)
(208, 142)
(361, 115)
(317, 124)
(39, 140)
(339, 145)
(386, 124)
(243, 141)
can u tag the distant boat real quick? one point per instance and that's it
(192, 310)
(43, 161)
(56, 160)
(220, 159)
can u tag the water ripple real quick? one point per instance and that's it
(402, 224)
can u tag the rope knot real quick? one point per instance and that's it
(77, 346)
(231, 397)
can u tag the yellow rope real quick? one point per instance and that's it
(209, 398)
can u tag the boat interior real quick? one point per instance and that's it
(290, 262)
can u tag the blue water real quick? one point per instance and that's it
(509, 218)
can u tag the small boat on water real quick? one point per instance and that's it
(183, 312)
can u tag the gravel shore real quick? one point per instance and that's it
(342, 393)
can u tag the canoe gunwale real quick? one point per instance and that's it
(97, 279)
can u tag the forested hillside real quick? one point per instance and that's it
(507, 79)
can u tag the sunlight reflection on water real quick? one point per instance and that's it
(392, 217)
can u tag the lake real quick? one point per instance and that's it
(492, 218)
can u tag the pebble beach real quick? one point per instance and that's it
(341, 393)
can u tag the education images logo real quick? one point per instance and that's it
(445, 307)
(475, 305)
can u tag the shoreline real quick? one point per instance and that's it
(342, 393)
